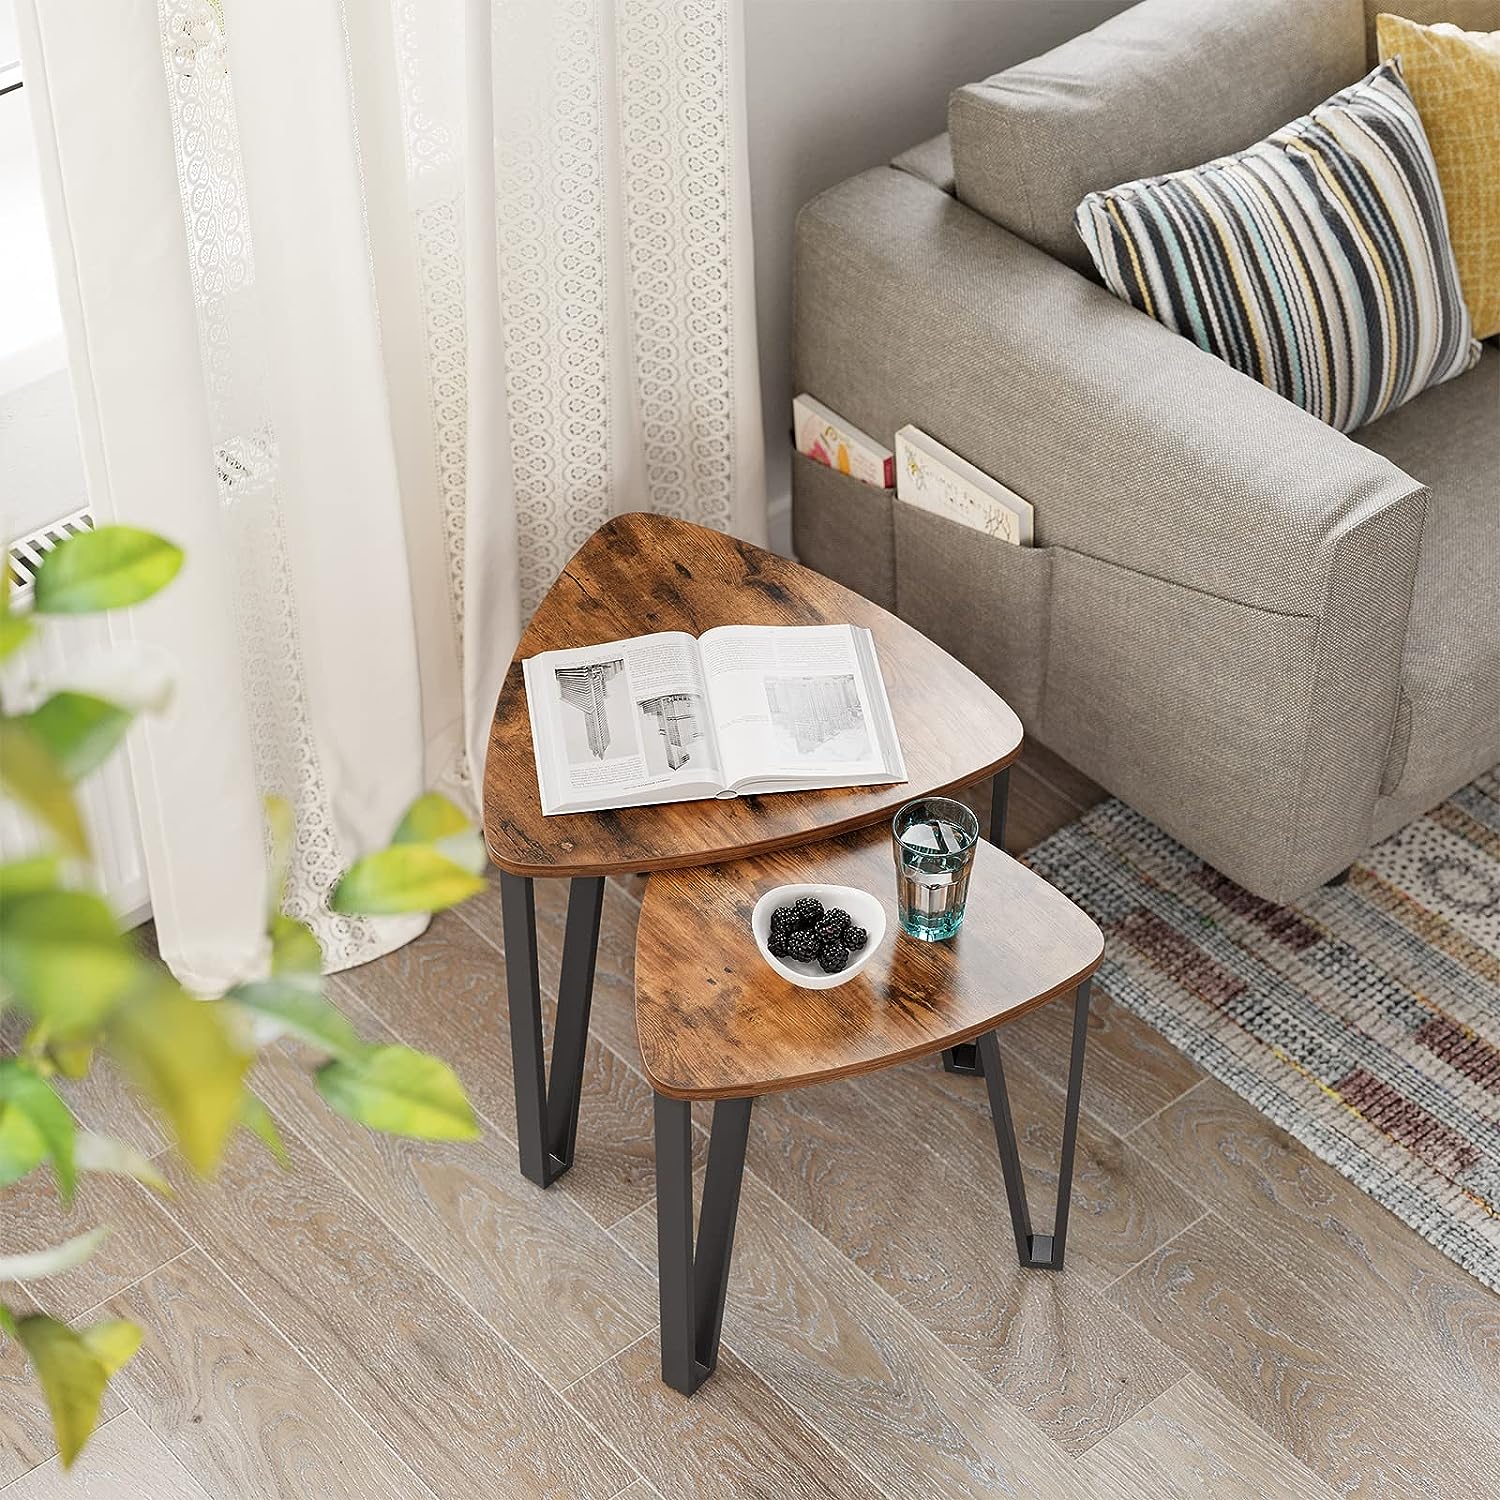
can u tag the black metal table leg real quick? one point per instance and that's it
(1041, 1251)
(964, 1058)
(693, 1282)
(547, 1116)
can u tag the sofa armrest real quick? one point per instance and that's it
(1232, 578)
(1135, 446)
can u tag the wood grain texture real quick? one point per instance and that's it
(25, 1428)
(449, 1390)
(612, 1017)
(716, 1021)
(237, 1406)
(142, 1236)
(1191, 1443)
(1133, 1070)
(641, 573)
(1346, 1248)
(937, 1239)
(533, 1264)
(446, 994)
(1123, 1207)
(735, 1440)
(866, 1372)
(123, 1461)
(1318, 1383)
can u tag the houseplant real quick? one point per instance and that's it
(77, 992)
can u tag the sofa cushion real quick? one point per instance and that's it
(1467, 15)
(1316, 262)
(1161, 86)
(1455, 78)
(932, 161)
(1448, 728)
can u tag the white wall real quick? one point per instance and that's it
(836, 86)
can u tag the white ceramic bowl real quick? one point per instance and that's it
(863, 908)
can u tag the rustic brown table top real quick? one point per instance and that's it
(715, 1021)
(640, 573)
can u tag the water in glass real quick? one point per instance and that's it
(934, 849)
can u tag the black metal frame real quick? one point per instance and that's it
(964, 1058)
(547, 1115)
(1043, 1252)
(692, 1279)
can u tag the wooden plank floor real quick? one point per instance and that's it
(395, 1319)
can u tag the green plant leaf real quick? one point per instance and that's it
(430, 818)
(297, 1008)
(181, 1053)
(279, 830)
(15, 631)
(112, 1342)
(71, 1057)
(22, 1150)
(294, 949)
(403, 878)
(72, 1378)
(29, 775)
(399, 1091)
(23, 1089)
(105, 1154)
(37, 1265)
(256, 1118)
(106, 568)
(433, 819)
(65, 959)
(23, 877)
(78, 730)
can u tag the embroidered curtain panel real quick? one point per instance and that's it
(380, 310)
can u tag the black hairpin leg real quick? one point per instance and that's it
(964, 1058)
(1043, 1252)
(693, 1281)
(547, 1116)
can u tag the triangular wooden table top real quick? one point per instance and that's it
(641, 573)
(716, 1021)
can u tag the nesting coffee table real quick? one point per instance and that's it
(641, 573)
(717, 1023)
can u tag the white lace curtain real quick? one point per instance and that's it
(380, 309)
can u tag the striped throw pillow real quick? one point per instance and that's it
(1317, 261)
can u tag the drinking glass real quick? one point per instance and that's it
(933, 841)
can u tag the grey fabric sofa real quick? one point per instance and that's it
(1278, 643)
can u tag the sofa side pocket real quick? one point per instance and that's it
(985, 601)
(841, 528)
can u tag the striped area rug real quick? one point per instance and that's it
(1364, 1021)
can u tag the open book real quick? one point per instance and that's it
(741, 709)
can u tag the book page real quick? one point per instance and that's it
(791, 703)
(620, 719)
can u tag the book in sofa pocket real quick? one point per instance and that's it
(826, 438)
(936, 479)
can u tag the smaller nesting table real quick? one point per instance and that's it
(717, 1023)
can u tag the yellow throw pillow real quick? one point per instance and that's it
(1454, 76)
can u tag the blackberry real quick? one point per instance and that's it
(832, 957)
(855, 938)
(807, 912)
(784, 917)
(834, 923)
(776, 944)
(802, 946)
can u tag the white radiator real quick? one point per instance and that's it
(106, 797)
